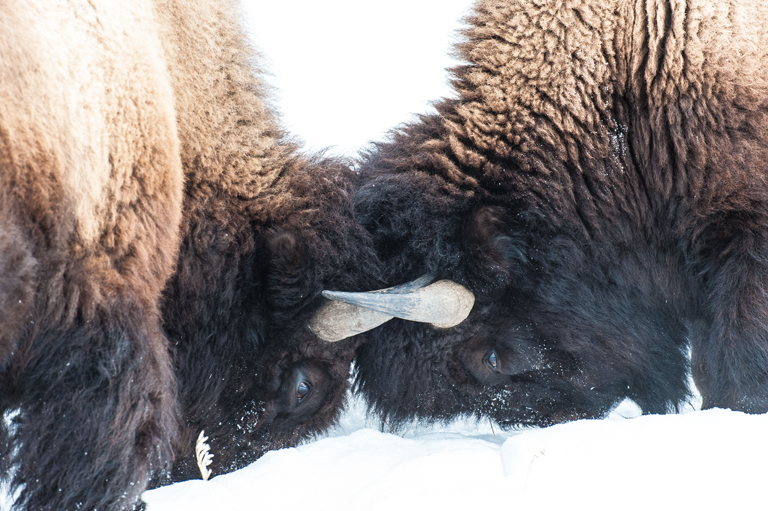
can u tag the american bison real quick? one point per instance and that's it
(162, 250)
(600, 185)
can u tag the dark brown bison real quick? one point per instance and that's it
(162, 248)
(600, 185)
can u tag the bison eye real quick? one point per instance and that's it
(491, 361)
(303, 389)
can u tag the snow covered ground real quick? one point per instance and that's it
(714, 459)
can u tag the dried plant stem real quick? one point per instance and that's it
(203, 455)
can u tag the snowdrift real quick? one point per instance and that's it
(714, 459)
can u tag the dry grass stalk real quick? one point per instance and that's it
(203, 455)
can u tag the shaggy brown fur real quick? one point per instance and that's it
(91, 186)
(264, 231)
(601, 184)
(135, 144)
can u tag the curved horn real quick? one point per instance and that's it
(444, 303)
(337, 320)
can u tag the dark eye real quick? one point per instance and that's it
(491, 362)
(303, 389)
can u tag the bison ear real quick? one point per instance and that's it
(495, 248)
(289, 275)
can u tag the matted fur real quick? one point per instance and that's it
(161, 248)
(600, 183)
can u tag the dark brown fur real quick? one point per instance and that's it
(264, 231)
(247, 281)
(601, 185)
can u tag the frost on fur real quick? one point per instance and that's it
(203, 455)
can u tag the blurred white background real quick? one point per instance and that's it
(347, 71)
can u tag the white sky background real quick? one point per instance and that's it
(347, 71)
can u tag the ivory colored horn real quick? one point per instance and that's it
(443, 304)
(337, 320)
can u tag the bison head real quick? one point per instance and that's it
(248, 282)
(541, 345)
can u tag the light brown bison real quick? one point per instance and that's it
(161, 251)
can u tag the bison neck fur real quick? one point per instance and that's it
(600, 183)
(264, 230)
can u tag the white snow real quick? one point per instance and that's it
(714, 459)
